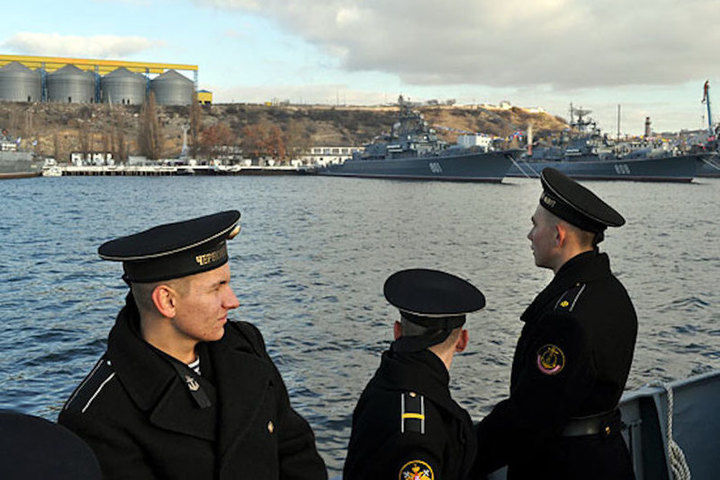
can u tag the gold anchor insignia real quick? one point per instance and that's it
(564, 303)
(191, 383)
(271, 427)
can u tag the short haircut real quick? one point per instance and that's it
(410, 329)
(584, 238)
(142, 292)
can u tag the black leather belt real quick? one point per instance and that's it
(602, 423)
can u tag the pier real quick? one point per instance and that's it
(166, 170)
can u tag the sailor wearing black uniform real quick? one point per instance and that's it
(406, 425)
(182, 392)
(574, 354)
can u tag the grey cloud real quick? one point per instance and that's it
(101, 46)
(564, 44)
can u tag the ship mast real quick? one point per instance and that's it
(706, 99)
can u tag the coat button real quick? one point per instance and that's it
(271, 427)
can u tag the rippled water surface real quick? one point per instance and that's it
(309, 266)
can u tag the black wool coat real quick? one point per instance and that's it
(378, 447)
(572, 360)
(138, 412)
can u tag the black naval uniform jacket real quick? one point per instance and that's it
(442, 441)
(572, 360)
(143, 422)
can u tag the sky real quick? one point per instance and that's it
(651, 57)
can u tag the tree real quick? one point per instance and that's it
(264, 140)
(149, 136)
(195, 126)
(214, 137)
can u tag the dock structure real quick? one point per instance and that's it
(166, 170)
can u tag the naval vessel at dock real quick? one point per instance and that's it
(412, 151)
(586, 154)
(15, 163)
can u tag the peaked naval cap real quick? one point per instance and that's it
(174, 250)
(575, 204)
(433, 299)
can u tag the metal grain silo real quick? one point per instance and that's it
(71, 85)
(171, 88)
(124, 87)
(20, 84)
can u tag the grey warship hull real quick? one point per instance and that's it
(680, 168)
(465, 167)
(17, 165)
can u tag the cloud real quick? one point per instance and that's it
(98, 46)
(563, 44)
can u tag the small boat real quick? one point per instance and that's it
(412, 151)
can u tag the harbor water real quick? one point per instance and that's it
(309, 266)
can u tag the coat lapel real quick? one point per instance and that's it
(239, 402)
(177, 411)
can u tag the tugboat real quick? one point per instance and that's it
(586, 154)
(412, 151)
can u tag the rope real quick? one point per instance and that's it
(523, 171)
(678, 464)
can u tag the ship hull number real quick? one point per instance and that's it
(435, 167)
(622, 169)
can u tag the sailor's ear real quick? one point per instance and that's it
(397, 330)
(462, 341)
(561, 234)
(164, 298)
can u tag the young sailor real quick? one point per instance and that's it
(574, 353)
(406, 425)
(183, 392)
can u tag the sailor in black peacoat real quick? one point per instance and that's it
(141, 420)
(183, 393)
(574, 354)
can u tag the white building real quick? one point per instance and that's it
(478, 140)
(328, 155)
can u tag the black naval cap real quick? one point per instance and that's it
(576, 204)
(433, 299)
(174, 250)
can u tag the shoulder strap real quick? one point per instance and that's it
(412, 413)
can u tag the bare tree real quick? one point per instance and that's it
(195, 126)
(149, 136)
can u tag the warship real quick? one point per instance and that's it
(710, 167)
(413, 151)
(586, 154)
(14, 163)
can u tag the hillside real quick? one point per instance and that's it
(58, 129)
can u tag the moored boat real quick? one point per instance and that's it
(589, 155)
(413, 151)
(15, 163)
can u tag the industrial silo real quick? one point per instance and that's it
(171, 88)
(123, 87)
(71, 85)
(20, 84)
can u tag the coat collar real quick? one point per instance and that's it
(421, 372)
(154, 386)
(586, 267)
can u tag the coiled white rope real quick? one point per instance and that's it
(678, 464)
